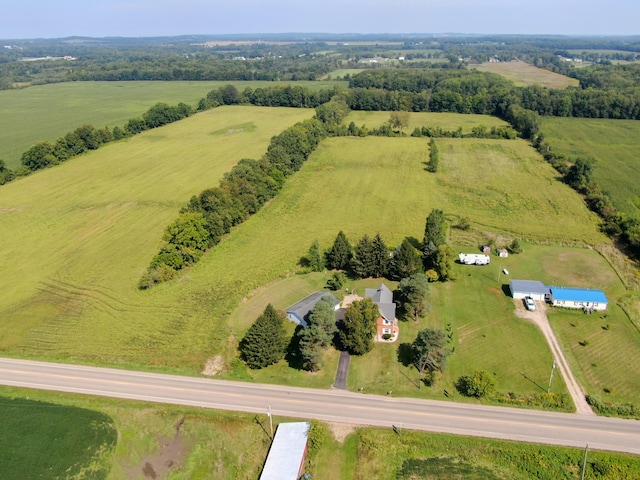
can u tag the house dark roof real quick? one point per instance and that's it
(383, 297)
(578, 294)
(301, 309)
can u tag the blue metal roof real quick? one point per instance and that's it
(578, 294)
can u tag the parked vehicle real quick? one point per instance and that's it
(529, 303)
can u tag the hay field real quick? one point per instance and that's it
(46, 112)
(82, 234)
(524, 74)
(613, 143)
(77, 237)
(446, 121)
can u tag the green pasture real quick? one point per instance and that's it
(47, 440)
(201, 444)
(46, 112)
(524, 74)
(77, 237)
(446, 121)
(613, 143)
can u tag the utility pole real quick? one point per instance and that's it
(551, 377)
(584, 463)
(270, 421)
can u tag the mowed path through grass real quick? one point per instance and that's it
(47, 112)
(77, 237)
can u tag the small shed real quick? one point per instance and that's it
(299, 312)
(584, 298)
(486, 249)
(502, 252)
(287, 453)
(529, 288)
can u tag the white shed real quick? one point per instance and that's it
(529, 288)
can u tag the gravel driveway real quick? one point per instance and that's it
(539, 318)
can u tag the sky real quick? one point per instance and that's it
(142, 18)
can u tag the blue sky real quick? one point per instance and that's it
(135, 18)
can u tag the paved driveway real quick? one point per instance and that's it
(539, 318)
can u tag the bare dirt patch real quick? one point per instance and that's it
(341, 431)
(213, 366)
(159, 464)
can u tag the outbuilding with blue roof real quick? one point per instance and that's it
(584, 298)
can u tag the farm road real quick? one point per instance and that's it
(539, 318)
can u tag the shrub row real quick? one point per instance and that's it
(625, 410)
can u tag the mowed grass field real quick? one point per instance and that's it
(613, 143)
(524, 74)
(446, 121)
(77, 237)
(47, 112)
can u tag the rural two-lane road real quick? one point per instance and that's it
(329, 405)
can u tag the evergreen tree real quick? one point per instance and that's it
(339, 256)
(434, 236)
(443, 262)
(314, 258)
(406, 261)
(434, 157)
(359, 326)
(413, 293)
(429, 351)
(380, 261)
(265, 342)
(363, 261)
(317, 335)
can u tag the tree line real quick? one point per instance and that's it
(86, 138)
(241, 192)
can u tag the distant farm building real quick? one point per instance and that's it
(474, 259)
(529, 288)
(584, 298)
(287, 453)
(299, 312)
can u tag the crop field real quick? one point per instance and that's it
(446, 121)
(46, 112)
(166, 441)
(613, 143)
(524, 74)
(85, 231)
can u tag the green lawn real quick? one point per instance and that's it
(46, 112)
(613, 143)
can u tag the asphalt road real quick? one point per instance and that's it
(329, 405)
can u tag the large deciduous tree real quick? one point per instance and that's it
(265, 342)
(359, 326)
